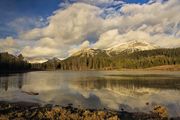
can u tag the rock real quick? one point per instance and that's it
(114, 118)
(30, 93)
(86, 113)
(161, 111)
(3, 117)
(101, 114)
(23, 111)
(147, 103)
(40, 115)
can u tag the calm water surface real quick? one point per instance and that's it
(130, 90)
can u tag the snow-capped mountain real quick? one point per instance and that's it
(88, 52)
(116, 57)
(131, 46)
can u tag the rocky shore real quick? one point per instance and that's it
(34, 111)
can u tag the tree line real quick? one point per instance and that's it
(100, 61)
(11, 63)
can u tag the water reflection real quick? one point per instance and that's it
(92, 89)
(11, 82)
(131, 83)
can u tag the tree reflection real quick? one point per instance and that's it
(7, 82)
(130, 83)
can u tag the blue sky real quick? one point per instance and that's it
(54, 28)
(11, 10)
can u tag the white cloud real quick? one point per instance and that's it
(103, 3)
(70, 29)
(39, 51)
(84, 45)
(8, 45)
(37, 59)
(70, 25)
(107, 39)
(66, 28)
(166, 41)
(7, 42)
(112, 37)
(47, 42)
(158, 22)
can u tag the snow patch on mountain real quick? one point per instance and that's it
(132, 46)
(87, 52)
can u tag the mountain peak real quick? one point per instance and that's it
(86, 52)
(129, 47)
(54, 59)
(132, 46)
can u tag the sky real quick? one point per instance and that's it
(42, 29)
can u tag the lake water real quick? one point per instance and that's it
(130, 90)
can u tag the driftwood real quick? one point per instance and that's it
(30, 92)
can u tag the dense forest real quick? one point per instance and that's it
(11, 63)
(100, 61)
(148, 58)
(103, 61)
(51, 64)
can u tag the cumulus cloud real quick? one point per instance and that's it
(157, 23)
(82, 24)
(113, 37)
(39, 51)
(66, 28)
(8, 45)
(69, 28)
(76, 48)
(69, 25)
(107, 39)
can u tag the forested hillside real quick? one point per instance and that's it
(96, 60)
(138, 59)
(11, 63)
(51, 64)
(100, 60)
(148, 58)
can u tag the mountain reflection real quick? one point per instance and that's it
(93, 82)
(94, 89)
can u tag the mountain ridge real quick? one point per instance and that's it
(96, 60)
(132, 46)
(101, 60)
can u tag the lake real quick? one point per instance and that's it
(128, 90)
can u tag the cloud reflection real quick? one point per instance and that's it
(94, 90)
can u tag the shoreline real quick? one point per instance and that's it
(28, 110)
(170, 68)
(156, 68)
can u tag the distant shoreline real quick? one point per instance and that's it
(158, 68)
(155, 68)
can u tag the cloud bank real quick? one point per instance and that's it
(85, 24)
